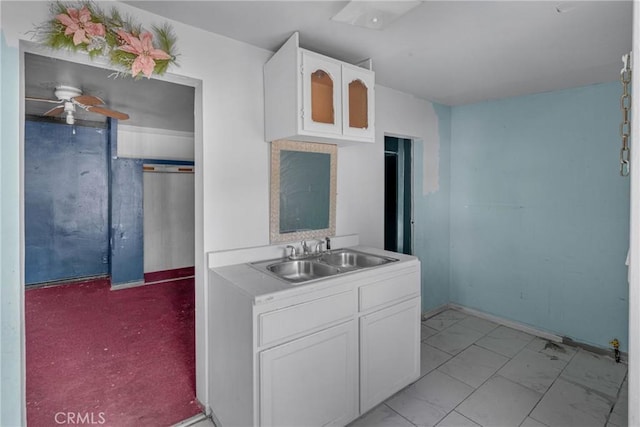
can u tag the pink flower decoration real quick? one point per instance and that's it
(143, 47)
(78, 23)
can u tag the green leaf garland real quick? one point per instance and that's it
(84, 27)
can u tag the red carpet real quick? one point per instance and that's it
(111, 358)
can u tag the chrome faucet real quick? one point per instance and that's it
(293, 254)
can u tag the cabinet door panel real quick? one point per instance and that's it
(311, 381)
(389, 351)
(321, 94)
(358, 98)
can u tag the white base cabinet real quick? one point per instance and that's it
(312, 380)
(389, 351)
(320, 354)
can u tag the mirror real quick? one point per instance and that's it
(303, 190)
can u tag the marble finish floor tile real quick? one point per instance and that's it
(454, 339)
(431, 358)
(445, 319)
(596, 372)
(568, 404)
(530, 422)
(478, 324)
(381, 416)
(533, 369)
(478, 373)
(474, 365)
(499, 402)
(426, 332)
(430, 399)
(506, 341)
(552, 349)
(454, 419)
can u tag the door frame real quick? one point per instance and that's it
(410, 155)
(634, 236)
(201, 312)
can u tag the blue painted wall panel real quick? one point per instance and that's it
(66, 202)
(126, 216)
(539, 215)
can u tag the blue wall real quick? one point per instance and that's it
(125, 216)
(431, 216)
(66, 202)
(539, 215)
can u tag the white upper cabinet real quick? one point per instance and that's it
(311, 97)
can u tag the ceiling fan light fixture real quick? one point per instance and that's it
(70, 119)
(375, 15)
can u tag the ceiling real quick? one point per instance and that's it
(450, 52)
(149, 102)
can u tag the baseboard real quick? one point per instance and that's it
(74, 281)
(168, 275)
(509, 323)
(127, 285)
(191, 421)
(434, 311)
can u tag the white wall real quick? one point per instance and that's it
(231, 156)
(137, 142)
(360, 201)
(169, 229)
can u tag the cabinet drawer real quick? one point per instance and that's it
(389, 290)
(299, 319)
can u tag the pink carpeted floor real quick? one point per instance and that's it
(111, 358)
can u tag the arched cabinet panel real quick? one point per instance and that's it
(358, 97)
(322, 105)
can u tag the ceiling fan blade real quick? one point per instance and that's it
(109, 113)
(89, 100)
(55, 111)
(52, 101)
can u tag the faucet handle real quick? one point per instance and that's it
(292, 255)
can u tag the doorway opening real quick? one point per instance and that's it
(109, 353)
(398, 195)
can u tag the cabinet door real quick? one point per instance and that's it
(389, 351)
(358, 102)
(321, 94)
(312, 381)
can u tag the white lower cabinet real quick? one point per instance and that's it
(321, 356)
(389, 351)
(311, 381)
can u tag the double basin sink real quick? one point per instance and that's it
(322, 265)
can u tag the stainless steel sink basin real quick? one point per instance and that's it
(318, 266)
(302, 270)
(346, 258)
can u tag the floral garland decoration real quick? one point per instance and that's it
(84, 27)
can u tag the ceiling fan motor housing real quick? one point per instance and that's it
(67, 92)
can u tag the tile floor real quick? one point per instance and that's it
(478, 373)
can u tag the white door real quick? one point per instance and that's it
(389, 351)
(358, 108)
(321, 94)
(312, 381)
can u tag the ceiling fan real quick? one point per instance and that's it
(71, 97)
